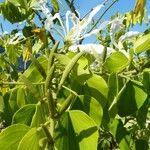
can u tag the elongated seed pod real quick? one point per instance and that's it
(68, 69)
(38, 66)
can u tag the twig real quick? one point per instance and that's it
(72, 8)
(95, 24)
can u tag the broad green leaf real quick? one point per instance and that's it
(14, 13)
(21, 97)
(13, 52)
(31, 140)
(141, 145)
(116, 62)
(13, 99)
(90, 106)
(120, 134)
(2, 105)
(98, 83)
(131, 99)
(65, 138)
(142, 44)
(40, 115)
(146, 81)
(76, 131)
(32, 73)
(141, 114)
(113, 86)
(7, 111)
(85, 129)
(11, 136)
(97, 88)
(24, 115)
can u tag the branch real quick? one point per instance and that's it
(95, 24)
(71, 6)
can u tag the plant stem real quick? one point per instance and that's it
(72, 8)
(95, 24)
(19, 83)
(48, 134)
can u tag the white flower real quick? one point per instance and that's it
(79, 29)
(16, 38)
(129, 35)
(116, 26)
(91, 48)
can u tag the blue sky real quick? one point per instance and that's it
(84, 6)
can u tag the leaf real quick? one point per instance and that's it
(139, 8)
(120, 134)
(131, 99)
(76, 131)
(146, 81)
(90, 106)
(13, 12)
(21, 97)
(97, 88)
(116, 62)
(40, 115)
(85, 129)
(31, 140)
(64, 134)
(141, 144)
(32, 73)
(7, 111)
(24, 115)
(11, 136)
(2, 105)
(13, 99)
(113, 86)
(142, 44)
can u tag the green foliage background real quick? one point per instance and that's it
(58, 102)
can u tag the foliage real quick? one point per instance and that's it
(52, 97)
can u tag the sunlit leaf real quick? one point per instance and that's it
(11, 136)
(116, 62)
(131, 99)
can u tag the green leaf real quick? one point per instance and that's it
(21, 97)
(2, 105)
(7, 111)
(11, 136)
(142, 44)
(85, 129)
(40, 115)
(13, 99)
(64, 134)
(76, 131)
(146, 81)
(31, 140)
(141, 145)
(24, 115)
(113, 86)
(32, 73)
(120, 134)
(13, 12)
(97, 88)
(116, 62)
(131, 99)
(98, 83)
(90, 106)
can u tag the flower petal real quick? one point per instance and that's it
(129, 35)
